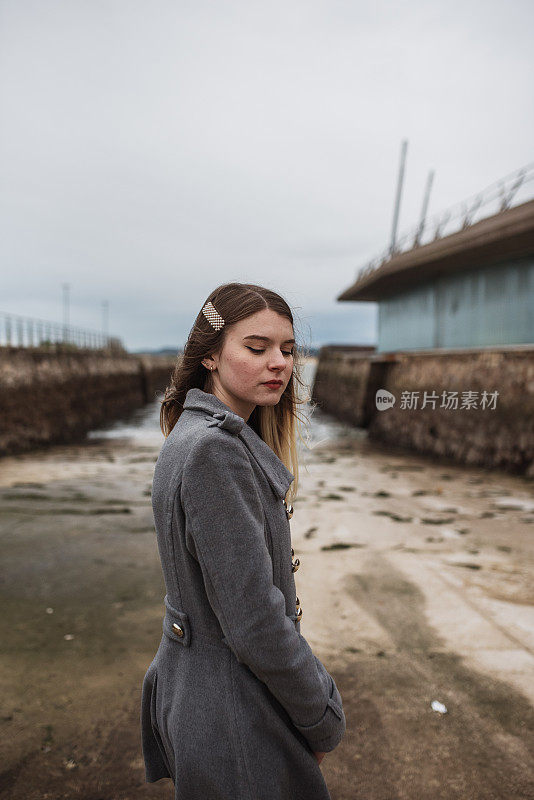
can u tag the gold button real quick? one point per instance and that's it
(299, 614)
(288, 508)
(176, 628)
(295, 565)
(298, 602)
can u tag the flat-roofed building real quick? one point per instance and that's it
(473, 288)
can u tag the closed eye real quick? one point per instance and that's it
(285, 352)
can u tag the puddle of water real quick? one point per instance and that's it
(508, 503)
(143, 424)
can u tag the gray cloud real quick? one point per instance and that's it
(149, 154)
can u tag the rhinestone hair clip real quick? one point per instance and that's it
(213, 316)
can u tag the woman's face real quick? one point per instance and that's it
(256, 350)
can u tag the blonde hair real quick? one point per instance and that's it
(280, 425)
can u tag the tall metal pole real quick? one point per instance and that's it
(404, 147)
(424, 209)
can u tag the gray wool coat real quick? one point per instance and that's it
(234, 701)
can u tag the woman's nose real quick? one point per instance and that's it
(278, 362)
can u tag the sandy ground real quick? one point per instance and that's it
(415, 583)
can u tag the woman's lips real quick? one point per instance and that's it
(273, 384)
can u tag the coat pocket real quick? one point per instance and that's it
(325, 734)
(157, 764)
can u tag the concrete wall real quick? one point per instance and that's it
(52, 398)
(341, 382)
(472, 308)
(346, 385)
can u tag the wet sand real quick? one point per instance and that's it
(415, 583)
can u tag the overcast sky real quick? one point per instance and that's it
(152, 151)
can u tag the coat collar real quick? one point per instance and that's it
(276, 472)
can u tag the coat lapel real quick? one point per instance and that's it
(276, 472)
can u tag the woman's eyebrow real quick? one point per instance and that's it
(266, 339)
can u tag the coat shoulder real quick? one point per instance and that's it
(215, 449)
(194, 441)
(194, 459)
(194, 432)
(199, 445)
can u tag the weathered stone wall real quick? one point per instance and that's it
(155, 374)
(502, 437)
(48, 398)
(341, 380)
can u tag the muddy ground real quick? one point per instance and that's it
(415, 584)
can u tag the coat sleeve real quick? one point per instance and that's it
(225, 533)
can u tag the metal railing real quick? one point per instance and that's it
(494, 199)
(18, 331)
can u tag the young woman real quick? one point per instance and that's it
(235, 705)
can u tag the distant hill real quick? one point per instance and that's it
(172, 352)
(162, 351)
